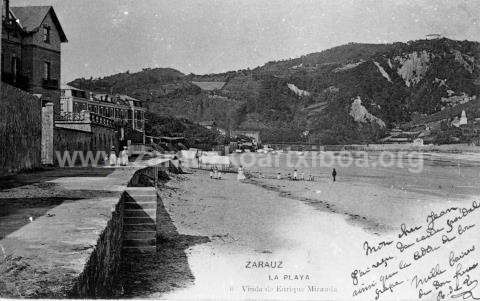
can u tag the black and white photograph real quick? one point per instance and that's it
(240, 150)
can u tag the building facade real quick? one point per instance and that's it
(123, 110)
(31, 50)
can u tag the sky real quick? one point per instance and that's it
(111, 36)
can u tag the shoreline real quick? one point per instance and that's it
(394, 147)
(325, 206)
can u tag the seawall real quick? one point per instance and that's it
(101, 275)
(75, 249)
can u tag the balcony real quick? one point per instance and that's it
(101, 120)
(84, 117)
(72, 117)
(20, 81)
(50, 84)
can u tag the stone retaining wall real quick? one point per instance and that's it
(100, 139)
(20, 130)
(101, 277)
(76, 251)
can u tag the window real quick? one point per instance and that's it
(46, 70)
(46, 34)
(14, 66)
(76, 107)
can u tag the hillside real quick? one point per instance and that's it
(347, 94)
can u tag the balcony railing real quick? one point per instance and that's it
(19, 80)
(51, 84)
(85, 117)
(100, 120)
(72, 117)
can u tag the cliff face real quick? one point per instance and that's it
(318, 92)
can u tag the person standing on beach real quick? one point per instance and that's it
(124, 156)
(112, 160)
(240, 174)
(334, 174)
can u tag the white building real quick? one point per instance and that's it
(116, 107)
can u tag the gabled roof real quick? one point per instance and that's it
(31, 18)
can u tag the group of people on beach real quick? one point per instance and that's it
(295, 176)
(300, 176)
(121, 160)
(215, 174)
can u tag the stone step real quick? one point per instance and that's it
(143, 205)
(144, 249)
(141, 192)
(140, 227)
(140, 213)
(140, 234)
(140, 189)
(138, 220)
(152, 213)
(141, 198)
(139, 242)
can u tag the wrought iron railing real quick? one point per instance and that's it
(85, 117)
(101, 120)
(74, 117)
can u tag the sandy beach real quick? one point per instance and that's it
(280, 239)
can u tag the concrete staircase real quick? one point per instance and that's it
(140, 217)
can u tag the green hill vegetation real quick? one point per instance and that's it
(315, 93)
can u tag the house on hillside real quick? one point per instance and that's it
(396, 135)
(212, 125)
(31, 50)
(255, 135)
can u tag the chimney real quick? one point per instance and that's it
(7, 9)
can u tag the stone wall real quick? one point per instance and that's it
(99, 139)
(69, 140)
(104, 138)
(20, 130)
(101, 277)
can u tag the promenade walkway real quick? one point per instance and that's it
(51, 224)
